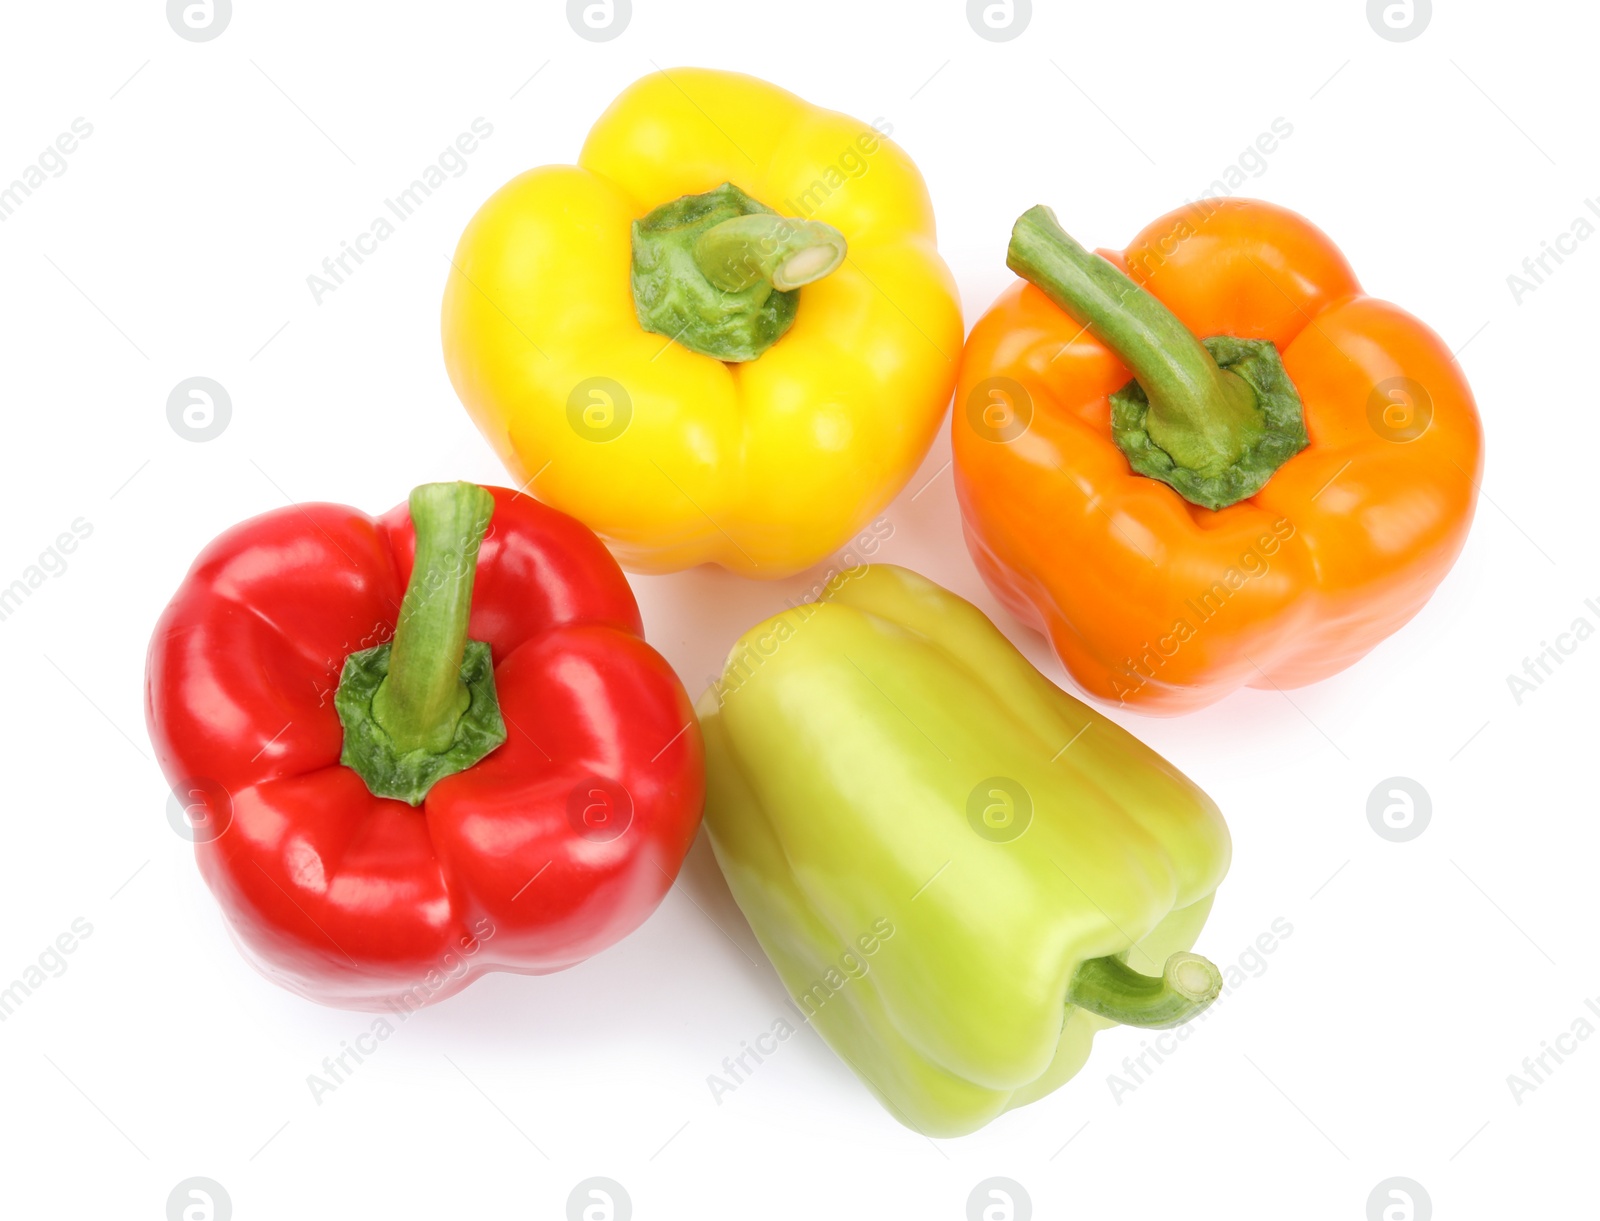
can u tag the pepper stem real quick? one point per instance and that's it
(786, 253)
(716, 273)
(1203, 416)
(423, 696)
(1110, 988)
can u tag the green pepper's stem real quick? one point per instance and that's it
(1112, 989)
(741, 252)
(423, 696)
(1205, 417)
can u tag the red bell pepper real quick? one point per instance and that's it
(382, 816)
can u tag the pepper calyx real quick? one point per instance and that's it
(408, 775)
(720, 272)
(1257, 363)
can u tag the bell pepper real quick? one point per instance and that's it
(420, 747)
(724, 336)
(1259, 506)
(960, 872)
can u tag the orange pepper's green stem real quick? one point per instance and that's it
(1203, 416)
(1214, 431)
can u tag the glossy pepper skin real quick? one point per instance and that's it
(931, 840)
(674, 457)
(559, 842)
(1166, 606)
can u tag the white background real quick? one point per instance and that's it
(1378, 1040)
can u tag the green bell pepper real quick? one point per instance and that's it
(960, 872)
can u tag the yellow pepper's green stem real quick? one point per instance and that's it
(786, 253)
(1110, 988)
(717, 272)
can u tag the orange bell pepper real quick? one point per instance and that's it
(1323, 498)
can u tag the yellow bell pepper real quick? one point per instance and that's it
(745, 376)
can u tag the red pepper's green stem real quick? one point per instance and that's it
(1112, 989)
(1205, 417)
(786, 253)
(423, 706)
(421, 700)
